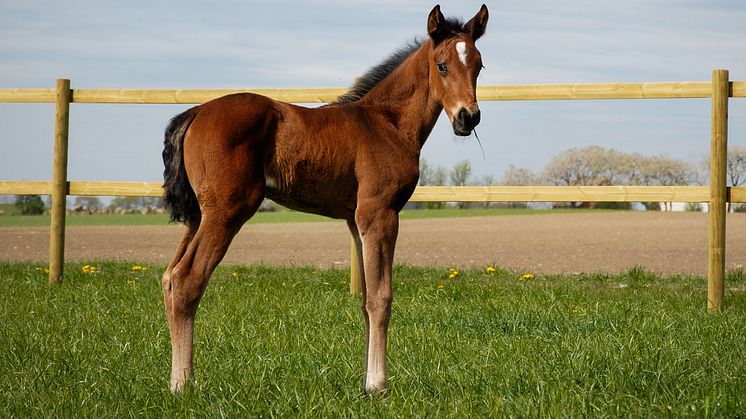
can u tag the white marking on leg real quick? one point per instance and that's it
(375, 377)
(461, 50)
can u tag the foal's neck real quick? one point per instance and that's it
(406, 93)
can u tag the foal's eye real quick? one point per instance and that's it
(442, 69)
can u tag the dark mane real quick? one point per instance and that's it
(372, 77)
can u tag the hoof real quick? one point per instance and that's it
(376, 389)
(177, 388)
(182, 384)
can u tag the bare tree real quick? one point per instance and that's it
(666, 171)
(440, 176)
(735, 168)
(736, 164)
(430, 176)
(87, 203)
(592, 165)
(460, 175)
(516, 176)
(426, 173)
(488, 180)
(599, 166)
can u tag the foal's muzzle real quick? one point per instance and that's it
(465, 121)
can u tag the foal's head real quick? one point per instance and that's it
(454, 64)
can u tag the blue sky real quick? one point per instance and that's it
(243, 44)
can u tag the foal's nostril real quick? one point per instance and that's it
(475, 118)
(468, 119)
(463, 116)
(464, 121)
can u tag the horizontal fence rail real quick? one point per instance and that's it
(429, 193)
(668, 90)
(719, 90)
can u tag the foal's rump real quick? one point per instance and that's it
(233, 131)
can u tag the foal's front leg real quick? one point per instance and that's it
(378, 232)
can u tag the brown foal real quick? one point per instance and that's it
(356, 159)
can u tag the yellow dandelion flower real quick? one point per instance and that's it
(527, 276)
(490, 269)
(451, 276)
(131, 282)
(234, 275)
(86, 269)
(441, 286)
(92, 269)
(136, 268)
(46, 270)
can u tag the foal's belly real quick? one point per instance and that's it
(330, 199)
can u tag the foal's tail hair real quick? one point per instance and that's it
(178, 196)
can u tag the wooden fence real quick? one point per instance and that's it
(719, 90)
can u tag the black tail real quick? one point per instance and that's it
(178, 196)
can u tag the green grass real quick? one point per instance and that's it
(262, 217)
(289, 342)
(10, 209)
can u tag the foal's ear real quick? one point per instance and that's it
(478, 24)
(436, 25)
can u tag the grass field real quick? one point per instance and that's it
(10, 209)
(289, 342)
(262, 217)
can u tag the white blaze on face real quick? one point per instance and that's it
(461, 50)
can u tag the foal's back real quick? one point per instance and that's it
(309, 159)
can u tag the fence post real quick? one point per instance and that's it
(59, 183)
(356, 280)
(718, 157)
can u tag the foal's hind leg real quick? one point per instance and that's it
(190, 276)
(190, 230)
(361, 269)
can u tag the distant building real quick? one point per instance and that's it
(684, 206)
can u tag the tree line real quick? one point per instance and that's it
(34, 205)
(595, 166)
(592, 166)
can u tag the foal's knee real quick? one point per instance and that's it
(378, 308)
(185, 290)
